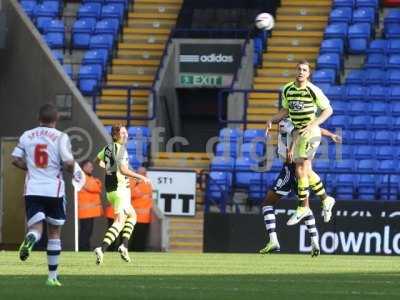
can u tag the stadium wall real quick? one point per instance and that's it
(30, 77)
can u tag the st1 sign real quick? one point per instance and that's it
(174, 192)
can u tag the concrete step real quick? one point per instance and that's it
(157, 2)
(295, 41)
(302, 11)
(288, 57)
(141, 39)
(295, 34)
(302, 3)
(111, 122)
(134, 70)
(297, 26)
(145, 23)
(157, 8)
(140, 54)
(293, 49)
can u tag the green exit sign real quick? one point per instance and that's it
(200, 80)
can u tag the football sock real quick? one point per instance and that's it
(110, 236)
(270, 223)
(53, 253)
(312, 229)
(302, 189)
(35, 234)
(317, 186)
(127, 230)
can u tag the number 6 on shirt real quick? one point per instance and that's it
(41, 156)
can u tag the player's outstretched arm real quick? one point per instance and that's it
(19, 163)
(283, 113)
(336, 138)
(124, 169)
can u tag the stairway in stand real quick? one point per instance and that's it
(186, 233)
(138, 56)
(297, 35)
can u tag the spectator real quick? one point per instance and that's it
(142, 202)
(89, 205)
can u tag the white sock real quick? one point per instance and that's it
(35, 233)
(270, 223)
(53, 253)
(312, 230)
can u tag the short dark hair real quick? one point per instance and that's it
(48, 113)
(83, 163)
(115, 129)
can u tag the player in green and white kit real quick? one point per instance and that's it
(300, 101)
(114, 158)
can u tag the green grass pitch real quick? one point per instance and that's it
(202, 276)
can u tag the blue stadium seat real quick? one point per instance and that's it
(102, 41)
(89, 10)
(355, 92)
(275, 165)
(125, 3)
(324, 76)
(253, 135)
(393, 77)
(377, 46)
(383, 137)
(322, 165)
(389, 187)
(383, 122)
(258, 50)
(378, 108)
(332, 46)
(364, 152)
(113, 11)
(362, 137)
(364, 15)
(396, 123)
(343, 3)
(138, 148)
(231, 135)
(345, 165)
(29, 7)
(107, 26)
(139, 132)
(108, 129)
(227, 149)
(394, 93)
(355, 77)
(219, 187)
(366, 165)
(360, 122)
(358, 107)
(347, 136)
(335, 92)
(226, 164)
(58, 55)
(89, 79)
(340, 107)
(387, 152)
(336, 31)
(396, 139)
(395, 109)
(341, 14)
(50, 9)
(376, 76)
(375, 60)
(359, 36)
(68, 69)
(366, 186)
(244, 171)
(81, 32)
(329, 61)
(393, 46)
(97, 56)
(135, 162)
(378, 92)
(367, 3)
(338, 121)
(345, 185)
(342, 152)
(392, 31)
(393, 62)
(254, 151)
(55, 34)
(393, 17)
(42, 22)
(388, 166)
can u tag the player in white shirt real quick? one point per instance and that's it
(285, 183)
(43, 152)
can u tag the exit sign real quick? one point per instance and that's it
(200, 80)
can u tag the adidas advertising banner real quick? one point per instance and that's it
(174, 192)
(357, 227)
(209, 58)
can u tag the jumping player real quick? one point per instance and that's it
(285, 183)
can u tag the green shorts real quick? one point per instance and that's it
(120, 200)
(306, 146)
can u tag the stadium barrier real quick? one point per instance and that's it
(357, 227)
